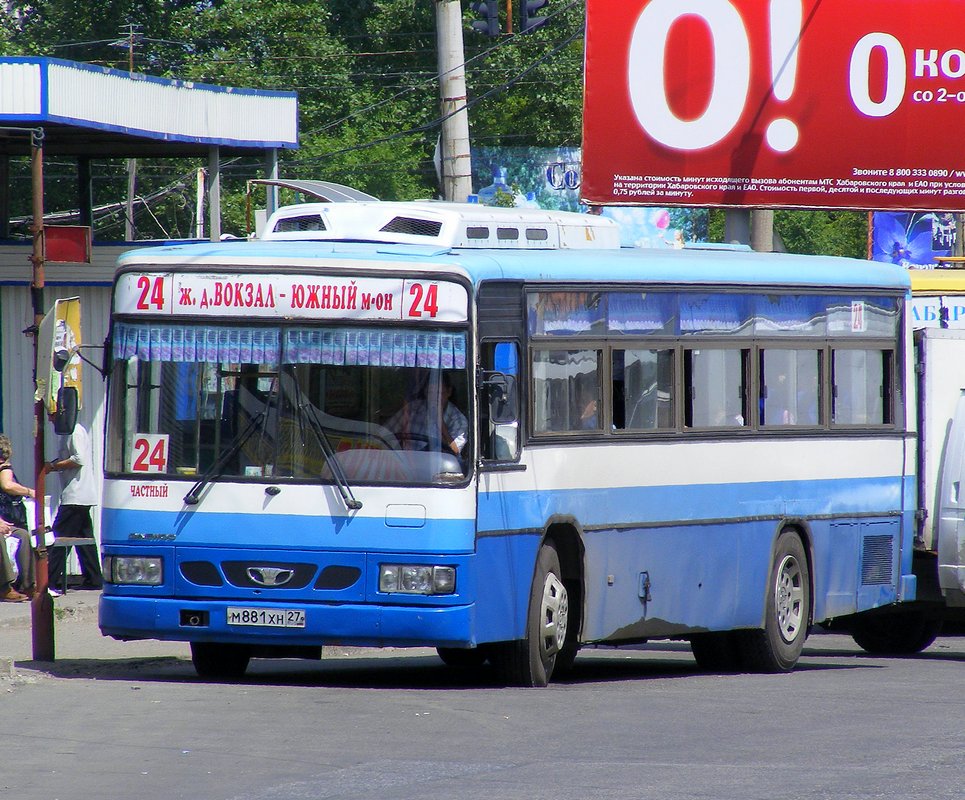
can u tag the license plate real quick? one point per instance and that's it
(267, 617)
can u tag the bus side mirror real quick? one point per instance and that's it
(501, 389)
(66, 416)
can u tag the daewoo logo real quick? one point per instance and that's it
(270, 576)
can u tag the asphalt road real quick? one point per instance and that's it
(130, 720)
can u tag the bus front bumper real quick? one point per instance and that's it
(361, 625)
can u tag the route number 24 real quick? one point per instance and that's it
(149, 452)
(151, 293)
(425, 300)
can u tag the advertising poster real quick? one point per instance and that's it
(549, 178)
(775, 103)
(58, 353)
(912, 240)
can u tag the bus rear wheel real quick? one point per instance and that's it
(778, 646)
(716, 652)
(531, 660)
(901, 633)
(219, 661)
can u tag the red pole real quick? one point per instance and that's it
(42, 607)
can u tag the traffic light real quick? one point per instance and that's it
(530, 20)
(488, 10)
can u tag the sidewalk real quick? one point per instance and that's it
(75, 604)
(71, 609)
(80, 650)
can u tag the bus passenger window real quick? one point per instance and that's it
(790, 387)
(861, 387)
(643, 383)
(566, 390)
(715, 381)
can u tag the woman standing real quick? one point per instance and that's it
(12, 510)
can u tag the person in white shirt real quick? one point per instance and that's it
(78, 492)
(422, 423)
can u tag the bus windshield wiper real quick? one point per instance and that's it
(193, 496)
(344, 489)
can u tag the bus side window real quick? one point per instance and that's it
(566, 390)
(790, 386)
(861, 382)
(500, 441)
(714, 382)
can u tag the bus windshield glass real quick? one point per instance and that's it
(389, 403)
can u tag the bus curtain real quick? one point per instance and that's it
(387, 347)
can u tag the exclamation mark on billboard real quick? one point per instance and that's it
(786, 18)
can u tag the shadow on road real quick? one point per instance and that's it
(657, 661)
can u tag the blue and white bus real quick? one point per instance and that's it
(617, 444)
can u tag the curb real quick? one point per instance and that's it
(17, 616)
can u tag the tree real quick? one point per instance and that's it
(365, 74)
(834, 233)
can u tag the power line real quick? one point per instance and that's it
(439, 120)
(505, 41)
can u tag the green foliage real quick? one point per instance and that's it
(527, 89)
(366, 76)
(835, 233)
(504, 199)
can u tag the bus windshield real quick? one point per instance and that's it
(271, 402)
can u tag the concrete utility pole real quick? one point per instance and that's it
(762, 230)
(456, 161)
(750, 226)
(737, 226)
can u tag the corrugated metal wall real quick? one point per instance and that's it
(20, 88)
(16, 375)
(183, 111)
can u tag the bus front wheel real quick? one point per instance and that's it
(531, 660)
(220, 661)
(778, 646)
(462, 658)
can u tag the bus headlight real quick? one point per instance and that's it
(417, 579)
(139, 570)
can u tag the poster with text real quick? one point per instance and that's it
(914, 240)
(775, 103)
(549, 178)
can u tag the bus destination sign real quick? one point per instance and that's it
(290, 296)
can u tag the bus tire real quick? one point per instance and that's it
(787, 611)
(461, 657)
(901, 633)
(565, 659)
(716, 652)
(530, 661)
(220, 661)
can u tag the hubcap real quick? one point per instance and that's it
(789, 599)
(554, 611)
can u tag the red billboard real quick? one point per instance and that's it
(775, 103)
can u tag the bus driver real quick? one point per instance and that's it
(414, 423)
